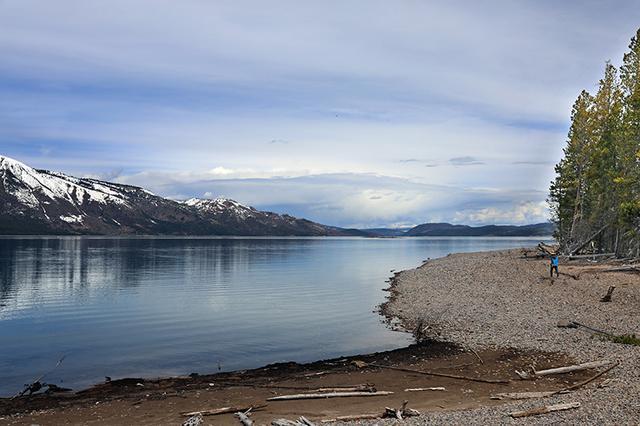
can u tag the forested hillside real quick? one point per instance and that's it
(595, 196)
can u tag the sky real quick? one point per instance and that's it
(350, 113)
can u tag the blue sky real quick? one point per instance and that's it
(353, 113)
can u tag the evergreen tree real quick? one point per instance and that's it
(595, 197)
(568, 190)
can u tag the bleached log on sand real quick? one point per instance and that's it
(352, 418)
(435, 389)
(223, 410)
(571, 368)
(545, 409)
(523, 395)
(328, 395)
(562, 370)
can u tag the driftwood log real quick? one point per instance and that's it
(545, 409)
(547, 249)
(356, 388)
(352, 418)
(223, 410)
(196, 420)
(590, 256)
(607, 297)
(328, 395)
(435, 389)
(562, 370)
(302, 421)
(587, 241)
(589, 380)
(400, 413)
(522, 395)
(450, 376)
(244, 417)
(527, 395)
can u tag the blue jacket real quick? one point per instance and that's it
(554, 261)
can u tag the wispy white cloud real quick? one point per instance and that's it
(356, 200)
(295, 100)
(517, 213)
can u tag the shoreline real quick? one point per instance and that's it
(161, 401)
(453, 352)
(501, 299)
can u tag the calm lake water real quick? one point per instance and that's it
(163, 306)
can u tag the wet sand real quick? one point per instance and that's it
(154, 402)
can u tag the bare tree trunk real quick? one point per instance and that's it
(577, 213)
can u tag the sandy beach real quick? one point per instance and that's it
(491, 313)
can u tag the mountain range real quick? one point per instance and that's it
(44, 202)
(36, 202)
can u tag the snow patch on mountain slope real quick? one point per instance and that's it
(219, 205)
(56, 185)
(72, 218)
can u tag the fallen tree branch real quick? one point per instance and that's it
(545, 409)
(523, 395)
(544, 394)
(589, 380)
(223, 410)
(327, 395)
(587, 241)
(590, 256)
(36, 385)
(356, 388)
(477, 356)
(595, 330)
(400, 413)
(450, 376)
(352, 418)
(547, 249)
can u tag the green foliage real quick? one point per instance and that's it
(625, 339)
(597, 183)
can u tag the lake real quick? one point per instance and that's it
(171, 306)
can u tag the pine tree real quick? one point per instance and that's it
(606, 160)
(595, 197)
(567, 192)
(629, 176)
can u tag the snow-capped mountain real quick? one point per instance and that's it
(249, 221)
(44, 202)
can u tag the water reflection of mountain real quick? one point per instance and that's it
(36, 270)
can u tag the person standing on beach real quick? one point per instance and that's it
(554, 265)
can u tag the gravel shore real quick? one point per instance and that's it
(499, 299)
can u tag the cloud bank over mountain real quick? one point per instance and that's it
(350, 113)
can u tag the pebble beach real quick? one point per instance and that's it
(501, 299)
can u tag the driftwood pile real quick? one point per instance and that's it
(532, 374)
(302, 421)
(368, 390)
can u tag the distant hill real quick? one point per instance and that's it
(449, 230)
(44, 202)
(386, 232)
